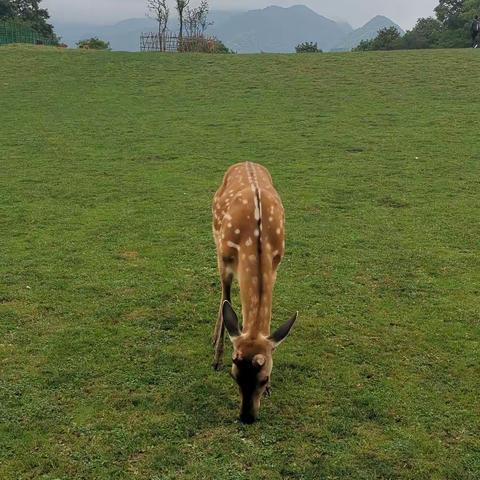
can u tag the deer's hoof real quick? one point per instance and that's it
(217, 365)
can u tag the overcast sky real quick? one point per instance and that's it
(357, 12)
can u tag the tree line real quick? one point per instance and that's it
(450, 28)
(27, 13)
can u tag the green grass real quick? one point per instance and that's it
(108, 282)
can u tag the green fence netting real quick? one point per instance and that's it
(13, 33)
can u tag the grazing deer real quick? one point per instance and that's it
(248, 227)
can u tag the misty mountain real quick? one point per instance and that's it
(277, 29)
(367, 32)
(272, 29)
(124, 35)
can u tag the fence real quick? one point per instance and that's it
(14, 33)
(172, 42)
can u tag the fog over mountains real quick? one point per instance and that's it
(272, 29)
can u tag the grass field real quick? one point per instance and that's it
(108, 282)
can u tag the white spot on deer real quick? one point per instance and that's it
(227, 215)
(275, 253)
(256, 232)
(269, 247)
(237, 231)
(248, 242)
(233, 245)
(270, 219)
(257, 209)
(272, 209)
(278, 231)
(244, 202)
(230, 225)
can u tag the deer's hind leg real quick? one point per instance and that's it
(226, 275)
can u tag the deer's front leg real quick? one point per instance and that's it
(219, 332)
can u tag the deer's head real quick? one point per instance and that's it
(252, 361)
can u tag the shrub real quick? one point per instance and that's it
(308, 47)
(93, 43)
(220, 47)
(202, 44)
(387, 39)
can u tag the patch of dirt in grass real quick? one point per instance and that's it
(129, 255)
(139, 314)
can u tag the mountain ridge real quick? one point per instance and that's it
(271, 29)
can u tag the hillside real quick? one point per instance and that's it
(109, 287)
(367, 32)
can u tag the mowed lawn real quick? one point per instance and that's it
(108, 282)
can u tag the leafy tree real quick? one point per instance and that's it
(427, 33)
(456, 16)
(308, 47)
(6, 9)
(448, 12)
(93, 43)
(386, 39)
(364, 46)
(30, 12)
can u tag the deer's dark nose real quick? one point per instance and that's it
(247, 417)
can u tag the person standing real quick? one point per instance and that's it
(475, 29)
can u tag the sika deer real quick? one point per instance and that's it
(248, 227)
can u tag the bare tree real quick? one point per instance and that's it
(159, 11)
(181, 6)
(196, 19)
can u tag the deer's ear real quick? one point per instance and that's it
(230, 320)
(279, 336)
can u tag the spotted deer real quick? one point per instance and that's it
(249, 232)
